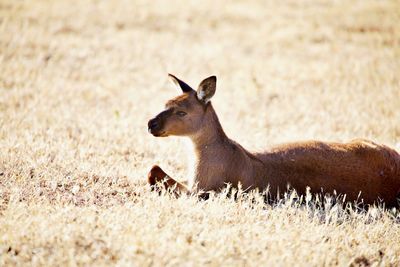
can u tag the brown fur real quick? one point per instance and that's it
(360, 169)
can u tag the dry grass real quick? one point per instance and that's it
(80, 79)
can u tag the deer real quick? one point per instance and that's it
(360, 170)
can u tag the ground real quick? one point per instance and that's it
(80, 79)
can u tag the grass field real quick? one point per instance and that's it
(80, 79)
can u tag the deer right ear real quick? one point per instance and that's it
(207, 89)
(181, 84)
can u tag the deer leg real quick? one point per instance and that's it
(158, 176)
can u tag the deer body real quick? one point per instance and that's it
(359, 169)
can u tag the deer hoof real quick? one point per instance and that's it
(156, 174)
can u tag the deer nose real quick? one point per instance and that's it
(153, 124)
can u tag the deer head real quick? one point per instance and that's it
(184, 114)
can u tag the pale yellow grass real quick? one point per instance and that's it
(80, 79)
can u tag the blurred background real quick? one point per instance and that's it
(80, 79)
(289, 70)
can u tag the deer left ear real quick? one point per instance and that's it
(181, 84)
(207, 89)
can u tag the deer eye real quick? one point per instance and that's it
(180, 113)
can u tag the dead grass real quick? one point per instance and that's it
(80, 79)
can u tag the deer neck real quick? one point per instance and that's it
(210, 133)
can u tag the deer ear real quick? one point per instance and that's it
(181, 84)
(207, 89)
